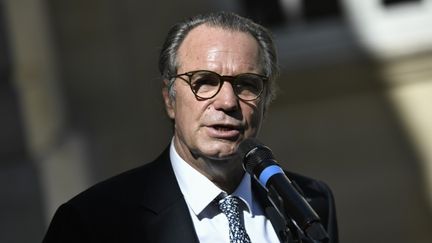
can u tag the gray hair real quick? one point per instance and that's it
(168, 62)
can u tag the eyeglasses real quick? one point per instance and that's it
(207, 84)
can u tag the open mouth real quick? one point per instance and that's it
(224, 128)
(224, 131)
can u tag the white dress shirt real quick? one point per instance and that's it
(210, 224)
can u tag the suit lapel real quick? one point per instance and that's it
(169, 219)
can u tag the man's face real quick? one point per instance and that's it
(214, 128)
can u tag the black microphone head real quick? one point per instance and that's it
(253, 152)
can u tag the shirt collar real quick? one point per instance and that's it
(199, 191)
(244, 192)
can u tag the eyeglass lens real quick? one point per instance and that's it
(207, 84)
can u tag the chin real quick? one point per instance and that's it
(220, 153)
(222, 156)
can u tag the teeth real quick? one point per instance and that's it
(223, 128)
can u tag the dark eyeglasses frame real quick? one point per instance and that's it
(222, 79)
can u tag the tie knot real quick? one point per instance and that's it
(229, 205)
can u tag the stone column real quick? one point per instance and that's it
(58, 152)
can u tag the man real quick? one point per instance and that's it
(218, 71)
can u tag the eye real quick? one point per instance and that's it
(248, 83)
(203, 82)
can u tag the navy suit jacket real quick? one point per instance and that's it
(145, 204)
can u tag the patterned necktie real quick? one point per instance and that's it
(230, 207)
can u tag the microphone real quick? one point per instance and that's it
(259, 162)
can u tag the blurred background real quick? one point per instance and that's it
(80, 102)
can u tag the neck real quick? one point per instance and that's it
(227, 175)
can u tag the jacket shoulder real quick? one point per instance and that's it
(128, 187)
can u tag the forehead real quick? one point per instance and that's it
(207, 44)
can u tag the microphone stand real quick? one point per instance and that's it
(312, 233)
(303, 225)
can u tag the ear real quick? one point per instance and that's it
(169, 103)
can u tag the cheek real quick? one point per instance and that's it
(183, 114)
(188, 113)
(254, 117)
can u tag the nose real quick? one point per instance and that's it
(226, 99)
